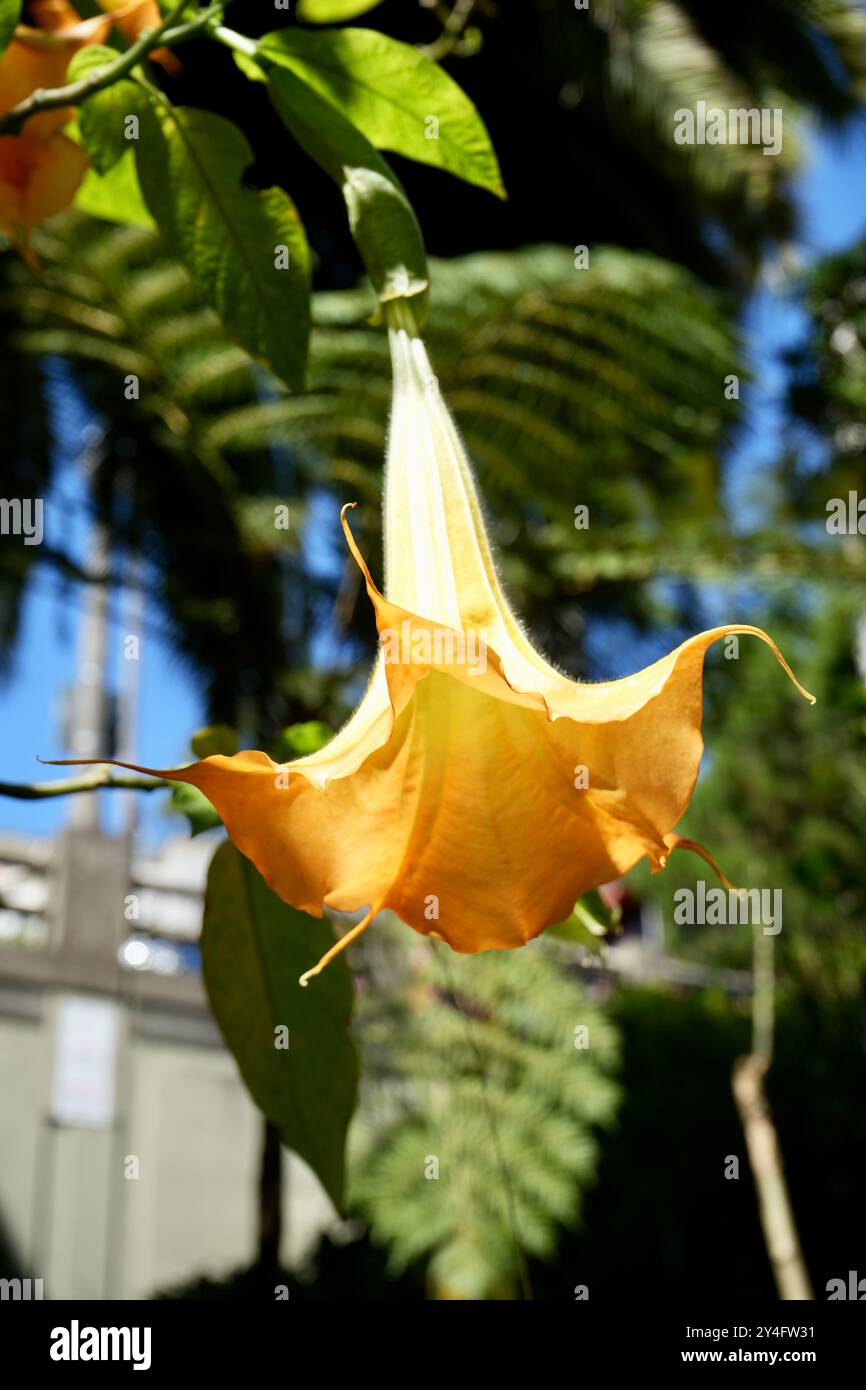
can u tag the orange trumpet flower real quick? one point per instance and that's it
(476, 791)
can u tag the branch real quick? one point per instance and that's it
(100, 780)
(454, 22)
(74, 93)
(762, 1141)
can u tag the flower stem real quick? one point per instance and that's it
(400, 314)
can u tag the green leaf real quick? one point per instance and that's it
(249, 67)
(116, 195)
(333, 11)
(190, 802)
(300, 739)
(102, 119)
(381, 218)
(190, 165)
(214, 738)
(589, 924)
(10, 14)
(396, 96)
(254, 947)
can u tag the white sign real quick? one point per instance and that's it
(85, 1062)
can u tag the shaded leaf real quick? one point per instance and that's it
(190, 164)
(254, 948)
(102, 118)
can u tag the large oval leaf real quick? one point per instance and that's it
(383, 223)
(190, 165)
(395, 95)
(254, 948)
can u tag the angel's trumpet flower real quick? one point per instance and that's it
(475, 791)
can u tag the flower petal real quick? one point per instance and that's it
(37, 179)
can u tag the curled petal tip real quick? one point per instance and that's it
(358, 557)
(340, 945)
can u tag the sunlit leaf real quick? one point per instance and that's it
(396, 96)
(300, 739)
(333, 11)
(382, 221)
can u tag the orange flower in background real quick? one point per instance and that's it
(133, 19)
(38, 56)
(476, 791)
(41, 169)
(38, 177)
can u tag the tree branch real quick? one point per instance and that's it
(101, 779)
(762, 1142)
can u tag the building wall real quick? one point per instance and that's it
(72, 1210)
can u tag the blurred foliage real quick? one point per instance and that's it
(477, 1130)
(828, 386)
(782, 799)
(543, 364)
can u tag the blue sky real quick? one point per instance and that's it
(833, 200)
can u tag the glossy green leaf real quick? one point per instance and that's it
(103, 119)
(231, 238)
(10, 14)
(333, 11)
(396, 96)
(383, 224)
(254, 948)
